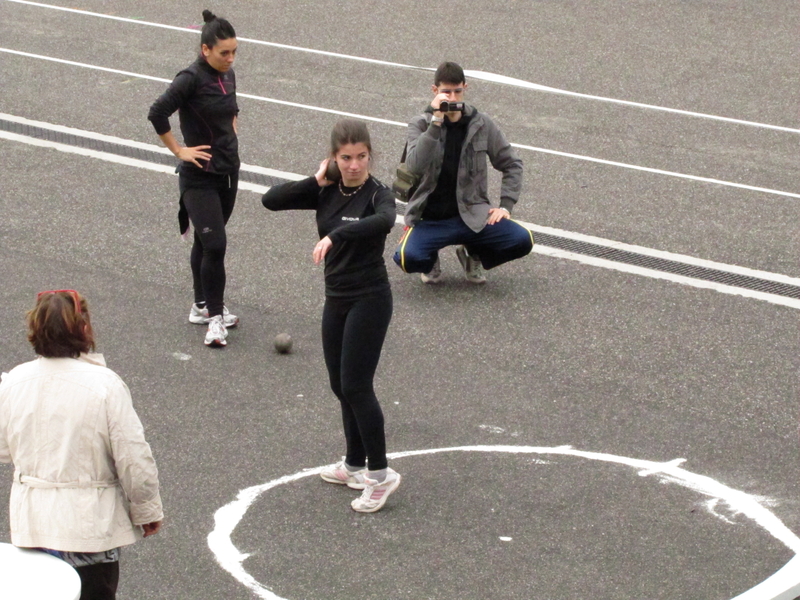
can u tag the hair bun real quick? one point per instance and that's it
(208, 16)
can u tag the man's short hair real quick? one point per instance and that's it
(448, 72)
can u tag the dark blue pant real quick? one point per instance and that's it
(495, 244)
(352, 337)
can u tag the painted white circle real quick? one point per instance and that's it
(786, 580)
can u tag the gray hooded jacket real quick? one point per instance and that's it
(484, 139)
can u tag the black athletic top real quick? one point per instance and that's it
(206, 103)
(357, 225)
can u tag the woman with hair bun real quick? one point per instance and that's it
(354, 214)
(204, 94)
(85, 482)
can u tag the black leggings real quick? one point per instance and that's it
(352, 337)
(209, 209)
(99, 582)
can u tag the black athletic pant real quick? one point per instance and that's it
(209, 200)
(352, 337)
(99, 582)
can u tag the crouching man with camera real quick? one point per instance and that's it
(447, 149)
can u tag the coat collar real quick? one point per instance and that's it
(93, 358)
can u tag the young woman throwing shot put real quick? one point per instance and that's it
(204, 94)
(354, 215)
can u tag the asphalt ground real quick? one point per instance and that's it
(550, 353)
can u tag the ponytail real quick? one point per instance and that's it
(215, 29)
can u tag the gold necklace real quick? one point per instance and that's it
(355, 191)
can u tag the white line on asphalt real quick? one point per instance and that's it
(613, 163)
(778, 586)
(492, 77)
(689, 260)
(654, 274)
(64, 61)
(535, 86)
(400, 124)
(91, 135)
(114, 158)
(197, 32)
(324, 110)
(162, 80)
(538, 248)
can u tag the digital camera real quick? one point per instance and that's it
(446, 106)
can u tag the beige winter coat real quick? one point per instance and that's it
(84, 475)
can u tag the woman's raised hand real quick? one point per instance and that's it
(320, 174)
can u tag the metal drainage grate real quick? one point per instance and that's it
(552, 241)
(668, 266)
(119, 149)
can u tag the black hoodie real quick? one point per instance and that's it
(442, 203)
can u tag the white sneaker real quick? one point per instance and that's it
(199, 316)
(434, 275)
(473, 270)
(376, 494)
(338, 473)
(216, 334)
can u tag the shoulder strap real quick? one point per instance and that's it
(427, 117)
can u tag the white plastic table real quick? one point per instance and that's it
(35, 575)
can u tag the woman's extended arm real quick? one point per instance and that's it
(377, 224)
(293, 195)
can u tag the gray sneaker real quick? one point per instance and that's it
(473, 270)
(434, 275)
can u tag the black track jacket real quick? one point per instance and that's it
(206, 103)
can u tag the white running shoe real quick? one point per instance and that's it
(473, 270)
(434, 275)
(376, 494)
(199, 316)
(338, 473)
(216, 334)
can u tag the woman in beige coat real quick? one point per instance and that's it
(85, 482)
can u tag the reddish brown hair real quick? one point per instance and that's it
(56, 329)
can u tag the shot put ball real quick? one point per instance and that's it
(283, 343)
